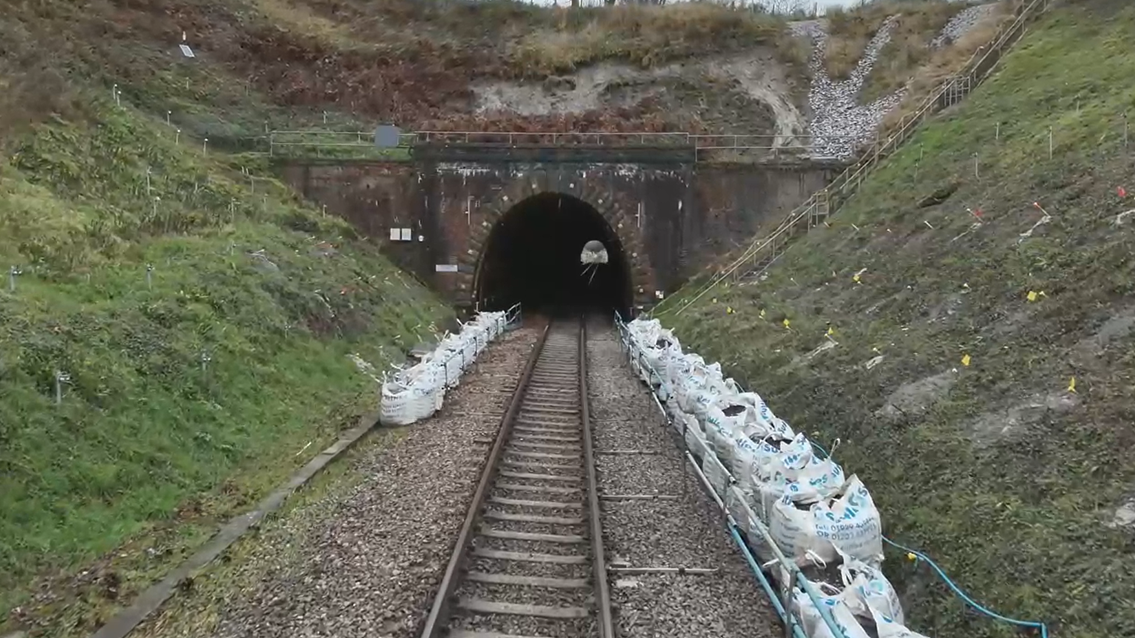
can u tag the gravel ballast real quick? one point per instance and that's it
(686, 532)
(365, 560)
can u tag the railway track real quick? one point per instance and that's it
(529, 560)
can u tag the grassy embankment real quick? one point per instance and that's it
(996, 468)
(193, 391)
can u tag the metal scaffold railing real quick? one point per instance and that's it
(764, 250)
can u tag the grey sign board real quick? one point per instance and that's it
(387, 136)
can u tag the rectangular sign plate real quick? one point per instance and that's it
(445, 267)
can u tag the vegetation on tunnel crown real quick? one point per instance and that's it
(194, 387)
(1003, 470)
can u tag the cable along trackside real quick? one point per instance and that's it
(528, 561)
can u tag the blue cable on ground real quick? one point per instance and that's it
(957, 590)
(969, 601)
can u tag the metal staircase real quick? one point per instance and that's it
(763, 251)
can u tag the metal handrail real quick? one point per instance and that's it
(699, 141)
(847, 183)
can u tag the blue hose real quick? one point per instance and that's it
(785, 615)
(957, 590)
(961, 594)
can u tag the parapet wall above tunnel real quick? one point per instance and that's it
(434, 218)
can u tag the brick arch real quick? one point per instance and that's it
(619, 215)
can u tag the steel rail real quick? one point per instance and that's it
(439, 613)
(602, 590)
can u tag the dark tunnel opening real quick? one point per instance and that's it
(532, 257)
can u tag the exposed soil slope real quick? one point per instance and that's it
(496, 65)
(982, 378)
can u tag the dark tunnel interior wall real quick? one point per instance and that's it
(532, 257)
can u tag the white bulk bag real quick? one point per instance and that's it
(699, 388)
(716, 474)
(852, 523)
(395, 406)
(794, 531)
(644, 332)
(813, 478)
(813, 622)
(763, 453)
(678, 367)
(792, 469)
(685, 422)
(451, 363)
(661, 350)
(869, 591)
(695, 442)
(748, 523)
(744, 456)
(888, 628)
(427, 389)
(709, 395)
(684, 373)
(717, 434)
(451, 348)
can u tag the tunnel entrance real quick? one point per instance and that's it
(532, 256)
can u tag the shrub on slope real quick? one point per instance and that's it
(1003, 469)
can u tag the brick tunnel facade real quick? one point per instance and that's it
(666, 220)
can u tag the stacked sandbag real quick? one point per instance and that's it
(417, 392)
(772, 478)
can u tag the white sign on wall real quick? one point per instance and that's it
(445, 267)
(402, 234)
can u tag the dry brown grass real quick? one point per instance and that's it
(32, 88)
(647, 36)
(908, 49)
(300, 18)
(849, 32)
(945, 63)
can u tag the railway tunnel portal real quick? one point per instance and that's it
(485, 231)
(533, 256)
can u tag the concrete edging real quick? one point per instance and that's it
(155, 595)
